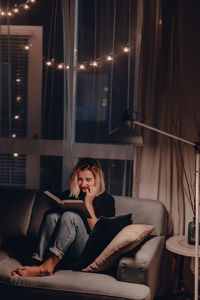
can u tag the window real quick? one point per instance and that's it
(13, 169)
(20, 102)
(106, 66)
(14, 70)
(107, 57)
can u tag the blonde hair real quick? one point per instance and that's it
(91, 165)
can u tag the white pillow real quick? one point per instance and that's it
(127, 239)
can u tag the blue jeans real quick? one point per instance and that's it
(63, 234)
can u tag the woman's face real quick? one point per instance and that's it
(85, 180)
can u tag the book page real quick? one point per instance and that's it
(52, 196)
(70, 204)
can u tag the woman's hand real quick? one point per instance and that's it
(89, 197)
(91, 193)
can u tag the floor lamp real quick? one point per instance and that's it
(125, 134)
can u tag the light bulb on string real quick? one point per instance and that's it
(94, 64)
(60, 66)
(126, 49)
(26, 6)
(16, 10)
(109, 58)
(26, 47)
(48, 63)
(82, 67)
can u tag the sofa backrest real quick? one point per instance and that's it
(22, 211)
(144, 211)
(15, 210)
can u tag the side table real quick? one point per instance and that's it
(179, 246)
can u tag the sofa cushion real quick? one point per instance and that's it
(67, 284)
(127, 239)
(102, 234)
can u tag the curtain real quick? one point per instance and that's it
(162, 81)
(169, 97)
(69, 15)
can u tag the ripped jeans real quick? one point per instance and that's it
(63, 234)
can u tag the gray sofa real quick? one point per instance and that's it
(136, 274)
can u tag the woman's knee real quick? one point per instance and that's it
(52, 217)
(71, 216)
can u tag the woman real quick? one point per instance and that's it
(63, 234)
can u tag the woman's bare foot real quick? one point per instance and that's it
(27, 271)
(45, 269)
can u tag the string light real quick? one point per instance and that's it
(14, 135)
(16, 117)
(86, 65)
(60, 66)
(94, 64)
(109, 58)
(16, 10)
(18, 98)
(15, 154)
(81, 67)
(26, 5)
(48, 63)
(126, 49)
(27, 47)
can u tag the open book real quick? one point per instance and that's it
(70, 204)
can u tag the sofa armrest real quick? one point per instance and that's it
(144, 266)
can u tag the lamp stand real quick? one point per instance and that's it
(197, 169)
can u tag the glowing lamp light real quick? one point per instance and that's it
(15, 154)
(3, 13)
(26, 6)
(18, 80)
(126, 49)
(14, 135)
(81, 67)
(60, 66)
(18, 98)
(94, 64)
(16, 117)
(67, 67)
(27, 47)
(16, 10)
(48, 63)
(109, 58)
(9, 13)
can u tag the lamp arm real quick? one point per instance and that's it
(197, 154)
(163, 132)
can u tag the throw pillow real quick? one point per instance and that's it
(127, 239)
(102, 234)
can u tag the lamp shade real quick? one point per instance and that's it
(124, 134)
